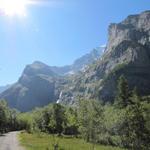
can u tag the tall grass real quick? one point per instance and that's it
(47, 142)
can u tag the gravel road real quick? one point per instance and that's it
(10, 141)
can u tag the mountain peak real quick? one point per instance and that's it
(38, 64)
(38, 67)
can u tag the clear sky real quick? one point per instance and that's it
(56, 32)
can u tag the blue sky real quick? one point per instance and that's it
(58, 32)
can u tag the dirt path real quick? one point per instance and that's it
(9, 141)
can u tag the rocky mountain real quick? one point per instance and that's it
(127, 53)
(79, 64)
(36, 87)
(41, 84)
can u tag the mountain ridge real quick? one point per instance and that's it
(39, 84)
(5, 87)
(80, 63)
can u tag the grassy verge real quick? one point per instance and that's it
(47, 142)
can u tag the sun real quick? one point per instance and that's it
(13, 7)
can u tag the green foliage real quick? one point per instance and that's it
(71, 127)
(146, 113)
(8, 118)
(26, 121)
(135, 134)
(47, 142)
(90, 114)
(133, 129)
(54, 119)
(123, 95)
(58, 119)
(124, 124)
(13, 123)
(3, 116)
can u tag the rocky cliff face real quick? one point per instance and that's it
(36, 87)
(135, 28)
(127, 52)
(81, 63)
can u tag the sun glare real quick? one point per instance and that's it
(13, 7)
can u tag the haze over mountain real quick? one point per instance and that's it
(40, 84)
(3, 88)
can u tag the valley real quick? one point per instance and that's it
(100, 102)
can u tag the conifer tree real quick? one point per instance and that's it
(123, 93)
(136, 135)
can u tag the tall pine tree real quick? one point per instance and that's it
(134, 133)
(123, 93)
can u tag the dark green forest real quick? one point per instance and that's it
(124, 123)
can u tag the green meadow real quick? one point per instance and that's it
(47, 142)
